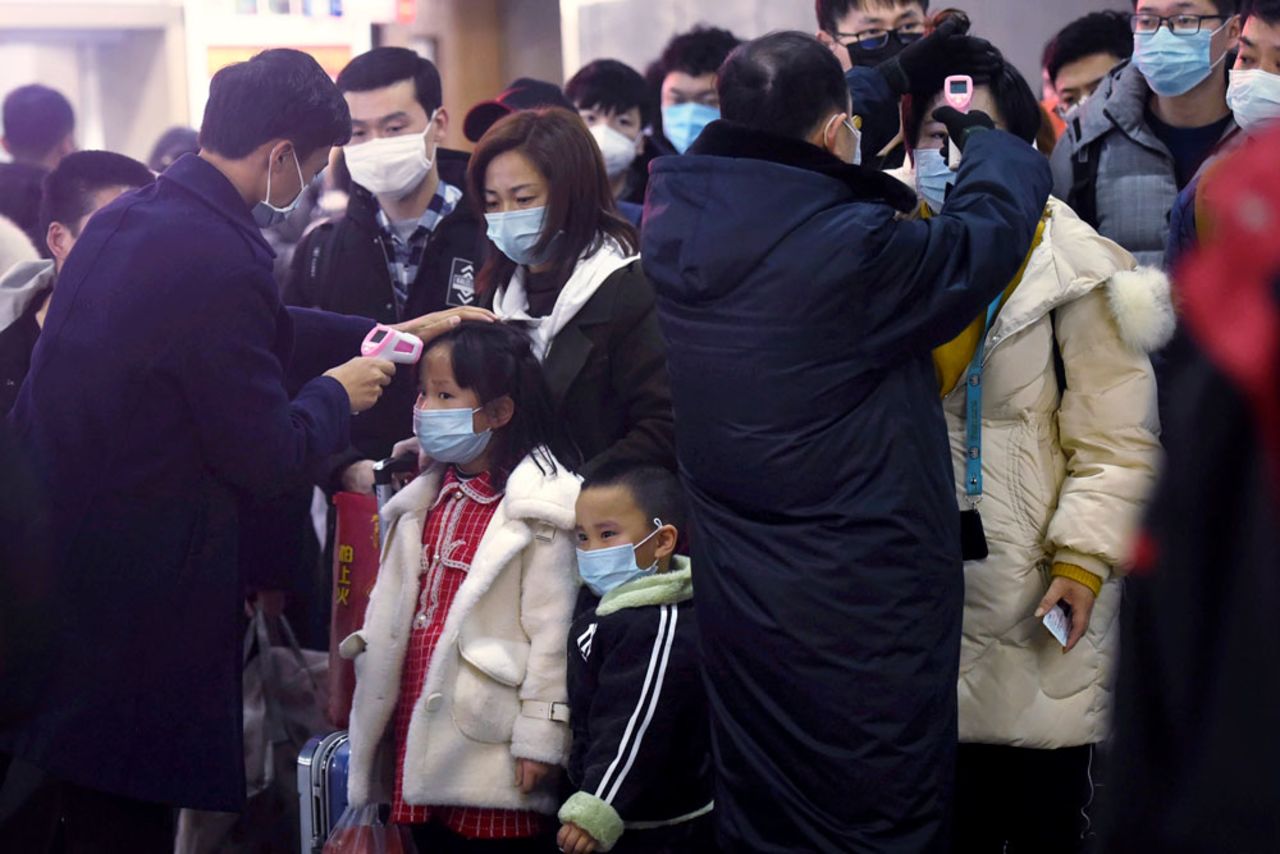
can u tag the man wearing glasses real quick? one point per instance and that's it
(1151, 124)
(865, 33)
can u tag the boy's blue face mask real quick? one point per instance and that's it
(1174, 65)
(682, 123)
(603, 570)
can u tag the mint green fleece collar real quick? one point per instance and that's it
(664, 588)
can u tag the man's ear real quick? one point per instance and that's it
(500, 412)
(441, 125)
(4, 143)
(59, 241)
(665, 541)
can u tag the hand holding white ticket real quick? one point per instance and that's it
(1078, 600)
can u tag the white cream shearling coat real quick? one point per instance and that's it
(1065, 480)
(499, 668)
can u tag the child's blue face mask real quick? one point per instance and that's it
(447, 435)
(603, 570)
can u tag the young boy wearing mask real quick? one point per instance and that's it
(641, 759)
(616, 104)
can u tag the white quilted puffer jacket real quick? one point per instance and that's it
(1066, 476)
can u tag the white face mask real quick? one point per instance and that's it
(1254, 97)
(393, 165)
(619, 150)
(857, 140)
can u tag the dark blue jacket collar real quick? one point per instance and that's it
(203, 180)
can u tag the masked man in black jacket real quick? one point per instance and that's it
(409, 243)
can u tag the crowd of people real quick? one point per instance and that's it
(773, 404)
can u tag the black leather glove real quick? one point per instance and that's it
(961, 126)
(922, 66)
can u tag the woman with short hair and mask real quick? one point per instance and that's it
(1051, 479)
(564, 261)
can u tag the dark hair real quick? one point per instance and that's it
(581, 213)
(784, 83)
(608, 84)
(700, 51)
(1267, 10)
(1225, 7)
(36, 119)
(69, 189)
(495, 360)
(386, 66)
(1017, 105)
(1097, 33)
(171, 145)
(655, 490)
(831, 11)
(279, 94)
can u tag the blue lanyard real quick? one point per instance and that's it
(973, 414)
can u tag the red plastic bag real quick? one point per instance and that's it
(355, 569)
(362, 831)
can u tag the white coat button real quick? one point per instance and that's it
(434, 702)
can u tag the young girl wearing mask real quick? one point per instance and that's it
(462, 654)
(564, 262)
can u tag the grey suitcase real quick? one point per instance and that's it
(322, 788)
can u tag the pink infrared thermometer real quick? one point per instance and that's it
(957, 91)
(383, 342)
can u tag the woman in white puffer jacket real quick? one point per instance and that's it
(1069, 452)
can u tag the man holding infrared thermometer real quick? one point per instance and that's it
(169, 387)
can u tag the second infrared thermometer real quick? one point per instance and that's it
(383, 342)
(957, 92)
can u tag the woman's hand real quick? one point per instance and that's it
(575, 840)
(1078, 598)
(530, 774)
(431, 326)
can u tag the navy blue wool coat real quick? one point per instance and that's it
(159, 398)
(799, 312)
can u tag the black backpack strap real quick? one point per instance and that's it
(1083, 197)
(310, 268)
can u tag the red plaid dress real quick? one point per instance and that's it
(455, 525)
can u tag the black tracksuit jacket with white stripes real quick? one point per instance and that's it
(641, 740)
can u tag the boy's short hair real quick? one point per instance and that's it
(1225, 7)
(69, 189)
(36, 118)
(831, 11)
(608, 84)
(386, 66)
(1267, 10)
(656, 491)
(1096, 33)
(700, 51)
(279, 94)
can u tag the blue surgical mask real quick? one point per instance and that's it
(447, 436)
(516, 233)
(266, 214)
(603, 570)
(933, 177)
(682, 123)
(1174, 65)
